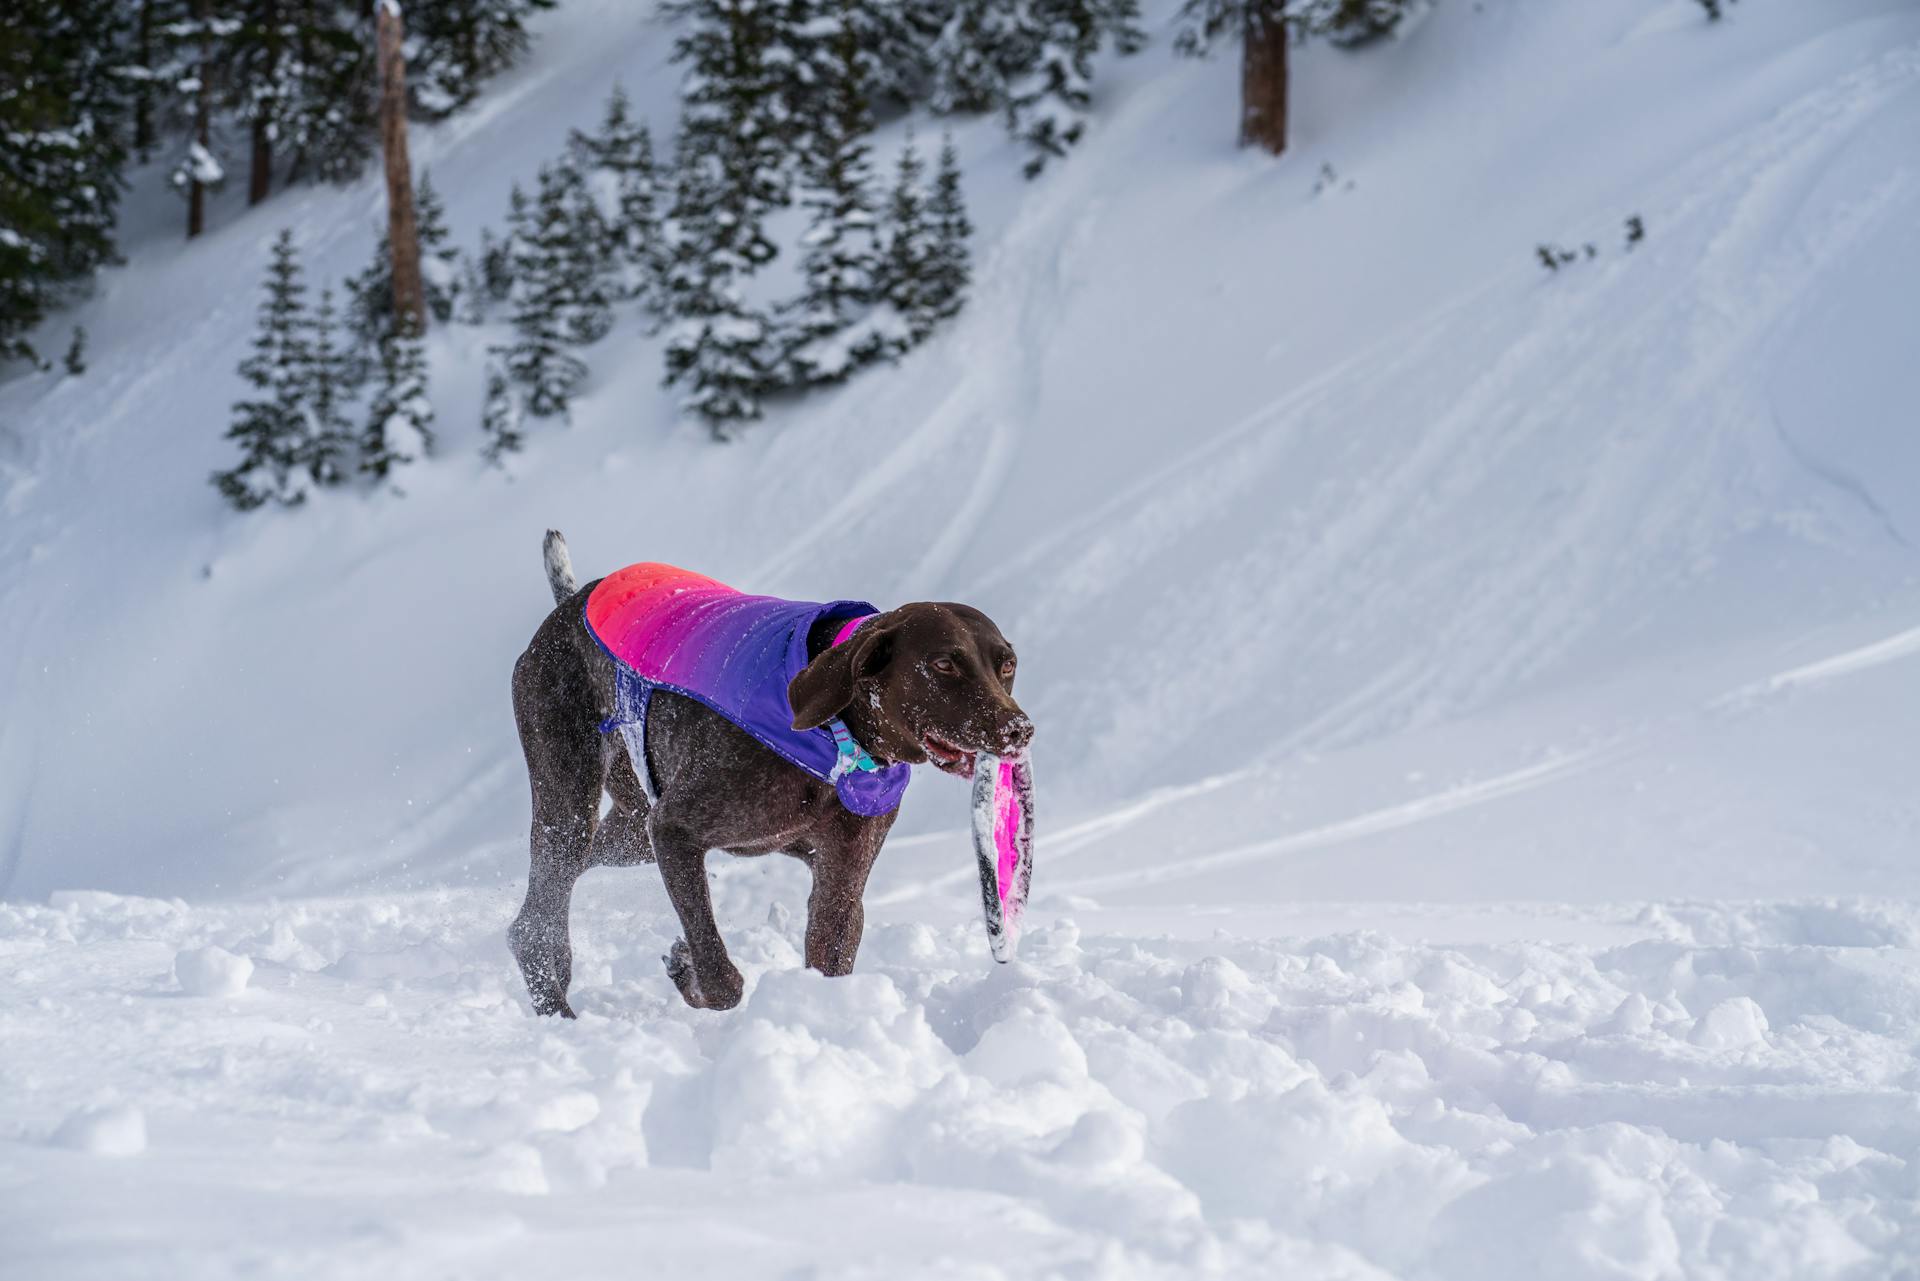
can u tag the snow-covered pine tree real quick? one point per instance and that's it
(617, 161)
(548, 302)
(500, 421)
(63, 105)
(949, 270)
(326, 390)
(439, 257)
(329, 128)
(907, 259)
(263, 79)
(730, 170)
(497, 257)
(460, 44)
(370, 314)
(982, 49)
(829, 331)
(399, 426)
(899, 42)
(272, 428)
(567, 241)
(1047, 106)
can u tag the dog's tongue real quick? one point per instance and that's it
(1003, 845)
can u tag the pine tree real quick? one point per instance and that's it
(907, 262)
(439, 257)
(1047, 107)
(550, 302)
(984, 47)
(899, 44)
(327, 386)
(618, 166)
(500, 420)
(272, 428)
(64, 103)
(828, 334)
(949, 268)
(399, 426)
(730, 171)
(370, 313)
(461, 44)
(497, 257)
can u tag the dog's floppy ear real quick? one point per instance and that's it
(825, 685)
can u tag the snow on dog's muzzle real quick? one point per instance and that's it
(1003, 844)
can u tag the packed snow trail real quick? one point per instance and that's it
(1709, 1091)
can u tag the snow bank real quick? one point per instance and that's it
(1352, 1104)
(211, 971)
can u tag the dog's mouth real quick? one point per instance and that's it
(945, 756)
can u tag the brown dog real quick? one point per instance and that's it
(922, 683)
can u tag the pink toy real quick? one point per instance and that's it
(1003, 845)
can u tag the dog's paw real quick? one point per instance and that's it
(722, 994)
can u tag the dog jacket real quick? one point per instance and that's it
(668, 628)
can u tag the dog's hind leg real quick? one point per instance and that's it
(567, 768)
(620, 840)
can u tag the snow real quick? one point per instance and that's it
(1475, 706)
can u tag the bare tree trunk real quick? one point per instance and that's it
(409, 298)
(1263, 77)
(260, 173)
(202, 120)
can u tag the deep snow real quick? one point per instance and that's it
(1477, 708)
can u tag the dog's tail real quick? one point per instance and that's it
(559, 566)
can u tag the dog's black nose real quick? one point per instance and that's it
(1016, 731)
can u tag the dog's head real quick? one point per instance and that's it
(923, 683)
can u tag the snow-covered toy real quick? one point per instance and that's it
(1003, 845)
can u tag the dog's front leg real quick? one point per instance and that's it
(836, 916)
(698, 962)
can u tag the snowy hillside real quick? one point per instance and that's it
(1477, 713)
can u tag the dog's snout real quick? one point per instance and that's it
(1016, 731)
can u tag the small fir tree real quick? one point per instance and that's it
(907, 262)
(828, 330)
(440, 273)
(399, 426)
(500, 419)
(327, 388)
(618, 165)
(949, 269)
(272, 428)
(76, 360)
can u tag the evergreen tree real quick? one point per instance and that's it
(497, 257)
(64, 104)
(730, 171)
(828, 334)
(461, 43)
(617, 162)
(552, 303)
(907, 262)
(899, 42)
(76, 360)
(399, 426)
(439, 256)
(984, 47)
(500, 420)
(370, 313)
(1047, 106)
(949, 268)
(327, 386)
(272, 428)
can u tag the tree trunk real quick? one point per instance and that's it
(260, 173)
(409, 298)
(1263, 77)
(202, 119)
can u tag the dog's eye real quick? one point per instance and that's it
(1006, 669)
(945, 666)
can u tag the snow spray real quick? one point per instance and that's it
(1003, 844)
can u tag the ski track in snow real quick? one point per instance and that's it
(1353, 1105)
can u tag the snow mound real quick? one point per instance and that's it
(211, 971)
(113, 1130)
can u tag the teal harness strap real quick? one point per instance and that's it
(851, 758)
